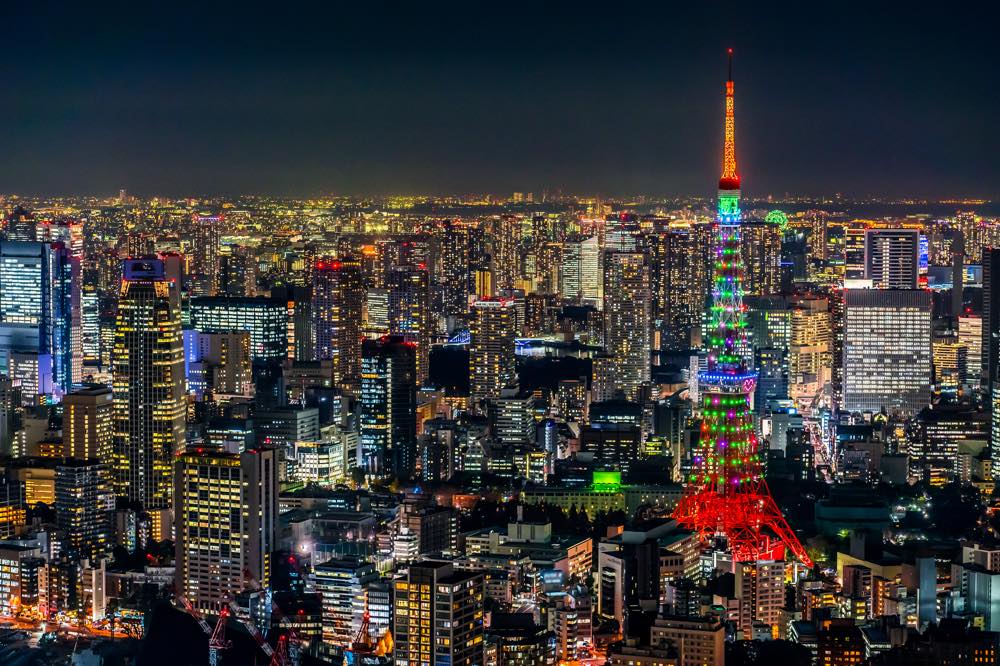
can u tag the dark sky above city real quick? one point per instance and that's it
(423, 97)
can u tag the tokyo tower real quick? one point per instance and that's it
(726, 493)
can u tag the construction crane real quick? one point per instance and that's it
(216, 637)
(294, 643)
(278, 657)
(217, 641)
(363, 645)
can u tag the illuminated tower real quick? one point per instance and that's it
(726, 492)
(148, 368)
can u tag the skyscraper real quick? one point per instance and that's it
(506, 254)
(887, 350)
(627, 317)
(226, 517)
(491, 349)
(148, 369)
(762, 258)
(388, 406)
(205, 254)
(990, 351)
(338, 300)
(674, 309)
(455, 270)
(410, 312)
(891, 258)
(580, 277)
(39, 304)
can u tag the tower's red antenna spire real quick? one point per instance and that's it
(730, 177)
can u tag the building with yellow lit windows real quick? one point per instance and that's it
(439, 616)
(226, 514)
(148, 369)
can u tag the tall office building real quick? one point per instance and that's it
(439, 616)
(39, 305)
(491, 349)
(226, 518)
(87, 423)
(148, 370)
(85, 504)
(627, 317)
(265, 319)
(887, 350)
(891, 258)
(388, 406)
(410, 312)
(338, 300)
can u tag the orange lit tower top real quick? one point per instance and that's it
(730, 176)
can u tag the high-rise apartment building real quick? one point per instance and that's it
(148, 369)
(491, 349)
(810, 358)
(388, 406)
(887, 350)
(760, 589)
(506, 252)
(338, 301)
(891, 258)
(226, 518)
(762, 258)
(205, 254)
(580, 278)
(455, 271)
(439, 616)
(627, 312)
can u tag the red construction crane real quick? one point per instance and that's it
(216, 637)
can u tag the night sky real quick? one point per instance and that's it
(253, 98)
